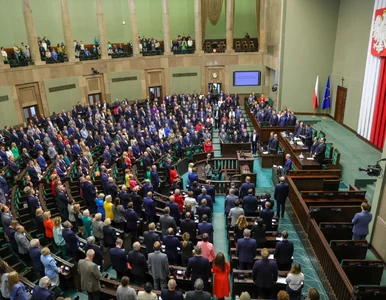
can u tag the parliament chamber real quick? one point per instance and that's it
(171, 149)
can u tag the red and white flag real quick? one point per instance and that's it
(315, 100)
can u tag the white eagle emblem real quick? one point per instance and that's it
(379, 33)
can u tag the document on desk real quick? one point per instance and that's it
(270, 256)
(265, 152)
(310, 158)
(281, 280)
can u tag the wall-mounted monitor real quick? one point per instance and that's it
(246, 78)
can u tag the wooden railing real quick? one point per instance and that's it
(337, 278)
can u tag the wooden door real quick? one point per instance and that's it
(340, 103)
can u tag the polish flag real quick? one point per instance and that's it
(315, 100)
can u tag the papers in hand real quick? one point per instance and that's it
(310, 158)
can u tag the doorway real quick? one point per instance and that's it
(155, 92)
(340, 104)
(30, 112)
(95, 98)
(214, 88)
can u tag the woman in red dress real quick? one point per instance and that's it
(221, 270)
(208, 146)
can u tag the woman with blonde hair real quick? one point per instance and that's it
(86, 219)
(16, 288)
(108, 206)
(15, 151)
(190, 167)
(48, 225)
(58, 238)
(50, 268)
(295, 281)
(240, 225)
(186, 249)
(99, 203)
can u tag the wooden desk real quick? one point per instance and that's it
(230, 149)
(245, 159)
(300, 164)
(245, 172)
(268, 160)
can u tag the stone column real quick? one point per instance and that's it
(101, 29)
(31, 32)
(263, 25)
(68, 38)
(134, 27)
(198, 26)
(229, 25)
(166, 27)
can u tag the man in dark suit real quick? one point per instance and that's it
(308, 136)
(283, 253)
(192, 177)
(171, 293)
(361, 222)
(12, 167)
(189, 226)
(267, 215)
(150, 237)
(42, 291)
(288, 164)
(320, 152)
(246, 186)
(174, 209)
(34, 253)
(250, 204)
(124, 197)
(203, 210)
(154, 178)
(198, 293)
(107, 155)
(119, 259)
(171, 243)
(138, 264)
(265, 275)
(98, 257)
(71, 239)
(254, 141)
(131, 221)
(198, 267)
(167, 221)
(274, 145)
(246, 251)
(281, 194)
(206, 227)
(314, 146)
(146, 160)
(25, 157)
(89, 194)
(33, 174)
(62, 200)
(112, 188)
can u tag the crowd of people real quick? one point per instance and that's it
(129, 132)
(182, 44)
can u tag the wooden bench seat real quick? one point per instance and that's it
(363, 271)
(334, 213)
(349, 249)
(336, 230)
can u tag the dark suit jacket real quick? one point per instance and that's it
(320, 153)
(89, 192)
(250, 204)
(150, 238)
(138, 263)
(245, 187)
(206, 227)
(267, 216)
(42, 294)
(198, 267)
(118, 259)
(265, 273)
(109, 235)
(174, 210)
(281, 192)
(274, 145)
(194, 295)
(167, 222)
(171, 243)
(246, 250)
(98, 258)
(112, 189)
(189, 226)
(131, 219)
(125, 199)
(284, 252)
(171, 295)
(34, 253)
(204, 210)
(71, 239)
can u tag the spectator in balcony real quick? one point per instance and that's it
(16, 51)
(190, 43)
(87, 52)
(4, 54)
(156, 45)
(48, 54)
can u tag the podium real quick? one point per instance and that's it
(245, 160)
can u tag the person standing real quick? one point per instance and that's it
(246, 251)
(361, 222)
(294, 280)
(170, 293)
(198, 292)
(50, 268)
(124, 291)
(280, 195)
(158, 266)
(90, 276)
(42, 290)
(16, 288)
(265, 275)
(207, 248)
(254, 141)
(138, 264)
(283, 252)
(198, 267)
(221, 270)
(119, 259)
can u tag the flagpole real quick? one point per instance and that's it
(314, 116)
